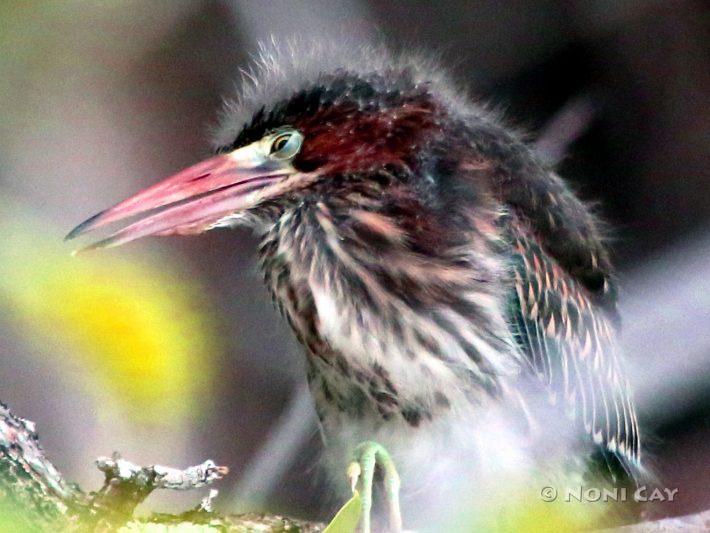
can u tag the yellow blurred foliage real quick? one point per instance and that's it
(140, 332)
(518, 505)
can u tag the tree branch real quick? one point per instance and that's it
(34, 495)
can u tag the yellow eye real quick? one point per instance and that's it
(285, 145)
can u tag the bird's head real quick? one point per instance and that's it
(300, 126)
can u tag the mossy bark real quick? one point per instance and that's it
(34, 496)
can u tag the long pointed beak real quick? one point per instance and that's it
(192, 200)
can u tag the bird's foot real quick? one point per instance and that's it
(361, 473)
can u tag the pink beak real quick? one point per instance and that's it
(192, 200)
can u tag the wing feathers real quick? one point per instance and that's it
(569, 341)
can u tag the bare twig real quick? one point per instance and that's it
(127, 484)
(565, 127)
(34, 496)
(281, 447)
(37, 497)
(119, 470)
(206, 505)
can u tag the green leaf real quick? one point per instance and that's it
(347, 518)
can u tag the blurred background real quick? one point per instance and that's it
(169, 349)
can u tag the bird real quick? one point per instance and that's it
(441, 277)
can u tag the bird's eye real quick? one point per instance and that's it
(285, 145)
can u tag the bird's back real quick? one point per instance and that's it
(563, 302)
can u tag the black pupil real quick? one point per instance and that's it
(279, 143)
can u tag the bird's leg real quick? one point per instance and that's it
(361, 473)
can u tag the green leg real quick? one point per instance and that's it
(361, 473)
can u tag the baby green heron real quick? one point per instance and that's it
(438, 274)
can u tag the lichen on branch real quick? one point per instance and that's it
(35, 496)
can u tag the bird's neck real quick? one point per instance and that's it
(362, 287)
